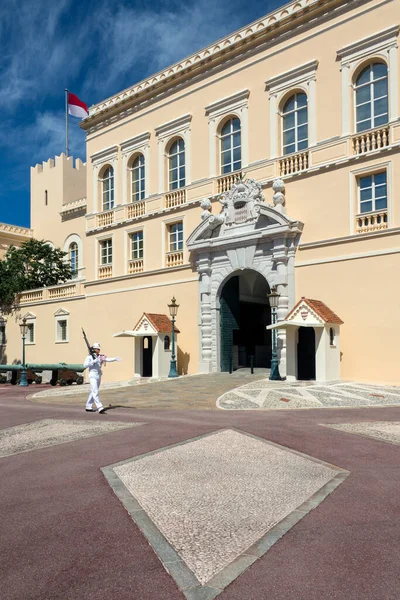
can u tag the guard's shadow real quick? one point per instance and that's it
(111, 407)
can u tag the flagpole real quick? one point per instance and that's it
(66, 122)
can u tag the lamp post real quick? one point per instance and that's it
(24, 328)
(273, 298)
(173, 310)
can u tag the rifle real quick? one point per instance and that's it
(89, 347)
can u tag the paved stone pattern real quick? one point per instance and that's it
(267, 394)
(385, 431)
(51, 432)
(214, 497)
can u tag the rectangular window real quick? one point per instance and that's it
(30, 334)
(62, 330)
(137, 245)
(2, 335)
(373, 192)
(176, 237)
(106, 252)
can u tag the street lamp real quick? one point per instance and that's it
(24, 328)
(173, 311)
(273, 298)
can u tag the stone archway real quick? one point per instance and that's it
(248, 234)
(244, 315)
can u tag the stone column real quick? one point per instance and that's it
(280, 258)
(205, 317)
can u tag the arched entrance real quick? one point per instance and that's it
(306, 353)
(147, 348)
(244, 316)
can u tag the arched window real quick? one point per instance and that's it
(74, 258)
(108, 188)
(295, 123)
(372, 97)
(138, 181)
(231, 146)
(166, 342)
(331, 336)
(176, 164)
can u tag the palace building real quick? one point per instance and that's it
(269, 158)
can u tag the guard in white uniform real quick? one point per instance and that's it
(94, 365)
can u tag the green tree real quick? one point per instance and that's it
(34, 265)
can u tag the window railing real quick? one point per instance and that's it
(374, 221)
(173, 259)
(106, 218)
(225, 182)
(68, 290)
(294, 163)
(135, 266)
(136, 209)
(175, 198)
(105, 271)
(374, 139)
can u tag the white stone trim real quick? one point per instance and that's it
(177, 218)
(30, 320)
(127, 245)
(61, 315)
(179, 127)
(353, 191)
(138, 144)
(380, 45)
(101, 238)
(217, 111)
(143, 287)
(345, 257)
(303, 77)
(74, 237)
(99, 160)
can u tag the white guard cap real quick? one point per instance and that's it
(96, 346)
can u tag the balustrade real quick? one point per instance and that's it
(371, 140)
(372, 221)
(135, 266)
(28, 297)
(66, 291)
(173, 259)
(106, 218)
(137, 209)
(293, 163)
(175, 198)
(225, 182)
(105, 271)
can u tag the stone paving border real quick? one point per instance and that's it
(173, 563)
(351, 429)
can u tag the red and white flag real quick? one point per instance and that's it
(76, 107)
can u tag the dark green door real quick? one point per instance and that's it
(229, 320)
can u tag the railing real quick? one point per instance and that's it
(293, 163)
(137, 209)
(173, 259)
(28, 297)
(175, 198)
(371, 140)
(135, 266)
(225, 182)
(372, 221)
(105, 271)
(106, 218)
(66, 291)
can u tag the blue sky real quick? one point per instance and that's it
(95, 49)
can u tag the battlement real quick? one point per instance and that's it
(59, 162)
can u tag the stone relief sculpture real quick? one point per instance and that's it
(279, 197)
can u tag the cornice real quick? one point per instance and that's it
(381, 38)
(104, 154)
(288, 78)
(224, 103)
(273, 23)
(139, 140)
(174, 126)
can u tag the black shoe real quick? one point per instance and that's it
(102, 410)
(90, 409)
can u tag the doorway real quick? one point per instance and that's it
(244, 316)
(306, 353)
(147, 353)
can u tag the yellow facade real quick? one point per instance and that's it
(346, 255)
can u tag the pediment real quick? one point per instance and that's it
(304, 315)
(28, 316)
(145, 327)
(61, 312)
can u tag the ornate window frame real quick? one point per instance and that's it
(179, 127)
(235, 105)
(140, 144)
(127, 246)
(30, 320)
(354, 177)
(382, 45)
(303, 77)
(61, 315)
(107, 156)
(74, 238)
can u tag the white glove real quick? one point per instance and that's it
(118, 359)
